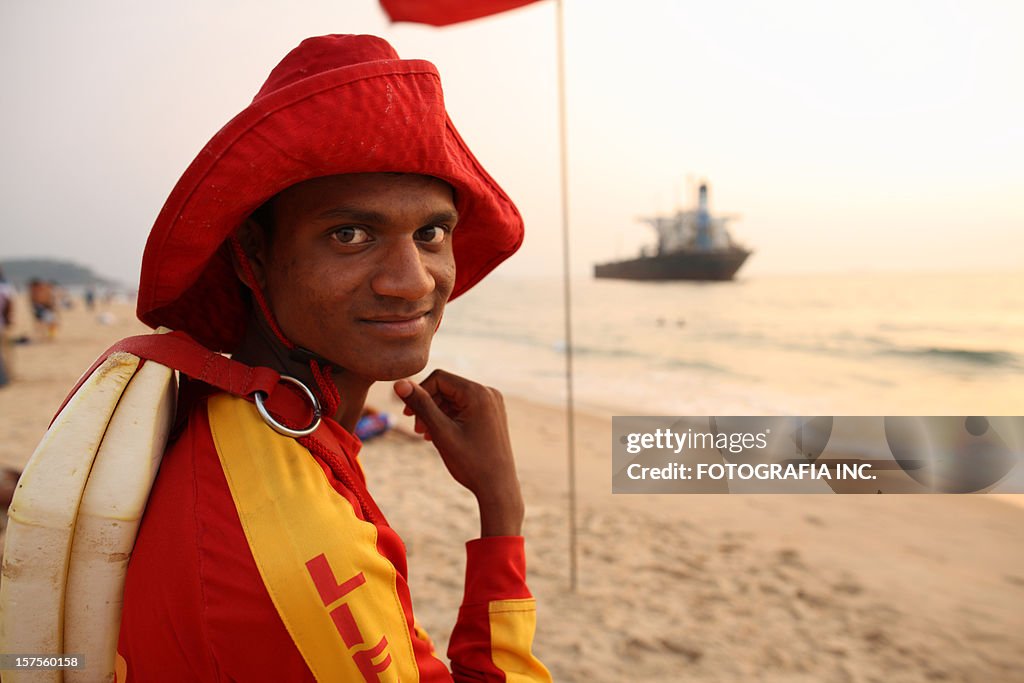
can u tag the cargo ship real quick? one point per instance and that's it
(692, 245)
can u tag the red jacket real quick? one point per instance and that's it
(196, 608)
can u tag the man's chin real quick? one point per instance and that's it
(401, 369)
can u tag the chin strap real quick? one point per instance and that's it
(320, 367)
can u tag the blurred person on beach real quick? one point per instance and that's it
(320, 234)
(7, 295)
(61, 296)
(43, 298)
(8, 476)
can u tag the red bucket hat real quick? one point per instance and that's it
(335, 104)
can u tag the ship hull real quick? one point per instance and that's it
(681, 265)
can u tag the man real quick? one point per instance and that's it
(6, 319)
(320, 233)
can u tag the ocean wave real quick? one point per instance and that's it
(557, 346)
(991, 358)
(676, 363)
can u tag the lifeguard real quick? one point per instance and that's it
(320, 233)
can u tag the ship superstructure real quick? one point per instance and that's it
(692, 245)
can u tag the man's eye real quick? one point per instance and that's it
(351, 235)
(433, 234)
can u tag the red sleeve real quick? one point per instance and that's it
(493, 636)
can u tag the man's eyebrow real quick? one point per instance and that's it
(375, 217)
(350, 213)
(451, 216)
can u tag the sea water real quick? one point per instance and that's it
(834, 344)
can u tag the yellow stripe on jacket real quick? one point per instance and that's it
(334, 592)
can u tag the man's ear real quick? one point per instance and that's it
(253, 240)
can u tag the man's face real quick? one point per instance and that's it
(359, 267)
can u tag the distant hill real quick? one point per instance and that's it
(19, 271)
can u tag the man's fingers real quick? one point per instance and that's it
(445, 387)
(427, 413)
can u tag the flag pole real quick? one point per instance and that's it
(567, 296)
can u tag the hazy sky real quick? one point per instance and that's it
(868, 135)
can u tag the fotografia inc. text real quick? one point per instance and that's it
(744, 471)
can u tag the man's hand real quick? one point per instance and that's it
(466, 422)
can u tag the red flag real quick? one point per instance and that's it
(444, 12)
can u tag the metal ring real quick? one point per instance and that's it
(261, 396)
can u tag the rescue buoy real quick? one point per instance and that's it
(74, 516)
(108, 520)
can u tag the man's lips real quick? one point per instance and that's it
(401, 325)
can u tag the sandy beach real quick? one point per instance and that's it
(671, 588)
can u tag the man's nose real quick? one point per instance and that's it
(403, 273)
